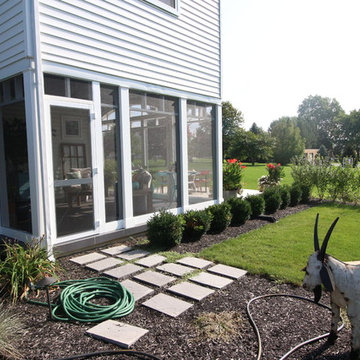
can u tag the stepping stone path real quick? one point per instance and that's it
(151, 261)
(86, 259)
(192, 291)
(104, 264)
(133, 254)
(117, 333)
(228, 271)
(154, 278)
(123, 271)
(213, 281)
(167, 304)
(175, 269)
(138, 290)
(148, 268)
(195, 262)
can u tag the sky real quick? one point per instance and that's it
(276, 53)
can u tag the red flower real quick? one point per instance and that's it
(279, 164)
(232, 161)
(243, 166)
(271, 166)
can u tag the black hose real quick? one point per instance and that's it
(145, 356)
(256, 330)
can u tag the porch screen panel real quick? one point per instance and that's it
(201, 151)
(15, 155)
(154, 152)
(111, 143)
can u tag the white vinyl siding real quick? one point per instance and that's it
(12, 34)
(134, 40)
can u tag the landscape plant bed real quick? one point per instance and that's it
(283, 322)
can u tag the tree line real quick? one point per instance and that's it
(321, 123)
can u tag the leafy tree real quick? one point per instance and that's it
(252, 147)
(232, 121)
(317, 120)
(322, 151)
(288, 141)
(256, 129)
(348, 136)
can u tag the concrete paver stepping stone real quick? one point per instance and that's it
(117, 333)
(104, 264)
(175, 269)
(192, 291)
(167, 305)
(123, 271)
(151, 260)
(154, 278)
(229, 271)
(211, 280)
(114, 250)
(138, 290)
(194, 262)
(88, 258)
(134, 254)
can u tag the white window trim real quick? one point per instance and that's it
(161, 5)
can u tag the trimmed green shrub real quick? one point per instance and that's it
(257, 205)
(197, 223)
(295, 194)
(285, 196)
(165, 229)
(240, 211)
(305, 193)
(272, 199)
(221, 217)
(24, 264)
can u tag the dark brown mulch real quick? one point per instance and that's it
(283, 322)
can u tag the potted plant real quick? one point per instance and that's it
(273, 178)
(232, 176)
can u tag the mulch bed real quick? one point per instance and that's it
(283, 322)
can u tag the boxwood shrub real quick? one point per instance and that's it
(240, 211)
(295, 194)
(257, 205)
(221, 217)
(197, 223)
(285, 196)
(272, 199)
(165, 229)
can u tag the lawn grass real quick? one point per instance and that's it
(253, 173)
(281, 250)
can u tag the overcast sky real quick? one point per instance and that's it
(275, 53)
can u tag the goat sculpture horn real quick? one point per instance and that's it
(316, 238)
(326, 240)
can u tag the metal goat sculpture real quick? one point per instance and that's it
(341, 280)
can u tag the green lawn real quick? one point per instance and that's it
(253, 173)
(280, 250)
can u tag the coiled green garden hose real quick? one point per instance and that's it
(75, 302)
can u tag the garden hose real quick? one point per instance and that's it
(75, 300)
(139, 354)
(257, 333)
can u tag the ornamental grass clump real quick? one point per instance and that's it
(10, 327)
(197, 223)
(232, 174)
(240, 210)
(23, 265)
(165, 229)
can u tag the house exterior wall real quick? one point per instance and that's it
(134, 40)
(15, 50)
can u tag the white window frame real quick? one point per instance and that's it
(163, 6)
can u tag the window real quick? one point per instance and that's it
(62, 86)
(201, 151)
(110, 122)
(154, 152)
(171, 6)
